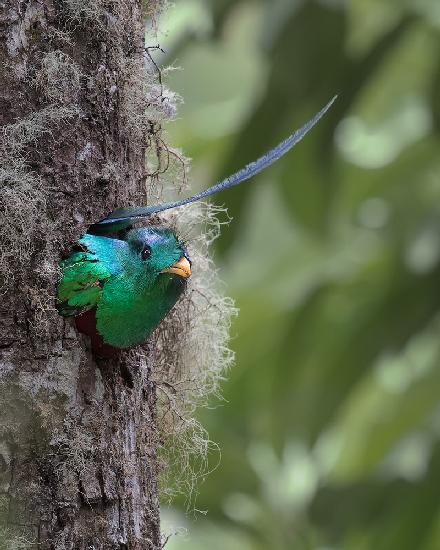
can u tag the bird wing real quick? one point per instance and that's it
(85, 272)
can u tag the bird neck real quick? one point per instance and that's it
(142, 307)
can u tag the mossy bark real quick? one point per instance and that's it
(78, 439)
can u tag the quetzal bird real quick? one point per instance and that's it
(119, 282)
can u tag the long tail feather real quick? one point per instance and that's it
(245, 173)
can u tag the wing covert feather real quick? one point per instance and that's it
(84, 274)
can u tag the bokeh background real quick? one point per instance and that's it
(330, 428)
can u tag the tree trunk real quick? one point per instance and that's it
(78, 439)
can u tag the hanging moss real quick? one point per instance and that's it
(192, 353)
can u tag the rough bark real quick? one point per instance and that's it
(77, 435)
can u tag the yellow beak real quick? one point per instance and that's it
(181, 267)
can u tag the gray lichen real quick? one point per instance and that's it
(58, 78)
(24, 196)
(193, 354)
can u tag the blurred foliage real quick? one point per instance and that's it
(330, 429)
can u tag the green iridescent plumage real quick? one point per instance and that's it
(125, 280)
(119, 289)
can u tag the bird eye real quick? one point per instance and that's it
(146, 252)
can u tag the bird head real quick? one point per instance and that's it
(157, 251)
